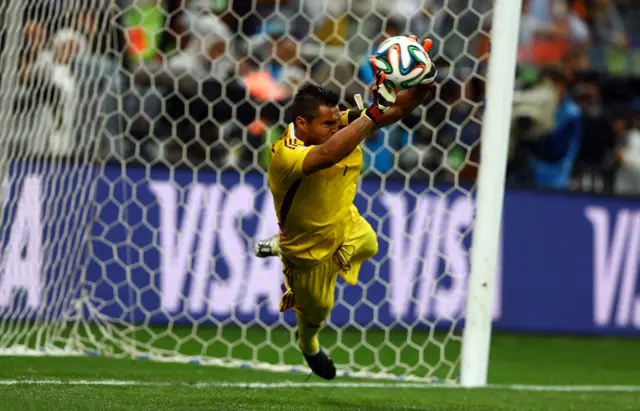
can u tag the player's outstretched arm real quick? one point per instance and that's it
(339, 145)
(388, 107)
(406, 102)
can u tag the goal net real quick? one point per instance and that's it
(134, 147)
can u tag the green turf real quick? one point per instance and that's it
(301, 399)
(399, 352)
(515, 359)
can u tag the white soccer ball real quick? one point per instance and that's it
(403, 60)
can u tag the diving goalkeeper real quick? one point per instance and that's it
(313, 176)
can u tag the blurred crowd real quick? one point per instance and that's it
(209, 83)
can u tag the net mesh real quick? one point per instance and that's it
(134, 152)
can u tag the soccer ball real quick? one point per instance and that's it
(403, 60)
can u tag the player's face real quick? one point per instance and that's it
(324, 125)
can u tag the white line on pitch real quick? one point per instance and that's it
(290, 384)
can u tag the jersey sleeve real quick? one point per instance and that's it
(349, 117)
(286, 162)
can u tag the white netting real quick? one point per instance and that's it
(135, 141)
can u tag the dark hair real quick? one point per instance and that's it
(309, 97)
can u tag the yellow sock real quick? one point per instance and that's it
(308, 336)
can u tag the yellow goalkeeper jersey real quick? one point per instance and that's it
(314, 212)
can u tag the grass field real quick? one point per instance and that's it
(526, 373)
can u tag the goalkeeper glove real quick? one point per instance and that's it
(383, 95)
(429, 78)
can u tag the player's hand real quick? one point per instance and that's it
(383, 94)
(429, 78)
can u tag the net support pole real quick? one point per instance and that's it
(490, 193)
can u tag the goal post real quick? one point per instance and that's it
(490, 192)
(134, 192)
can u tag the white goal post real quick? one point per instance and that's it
(490, 197)
(134, 185)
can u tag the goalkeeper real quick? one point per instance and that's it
(313, 176)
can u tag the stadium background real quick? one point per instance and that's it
(569, 255)
(273, 48)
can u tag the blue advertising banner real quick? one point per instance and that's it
(175, 246)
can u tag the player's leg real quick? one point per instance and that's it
(313, 292)
(268, 247)
(310, 293)
(361, 245)
(361, 235)
(320, 362)
(314, 297)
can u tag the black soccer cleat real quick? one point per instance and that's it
(267, 247)
(321, 365)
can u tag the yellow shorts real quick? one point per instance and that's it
(310, 291)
